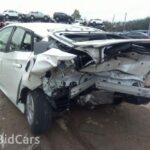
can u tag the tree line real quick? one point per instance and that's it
(140, 24)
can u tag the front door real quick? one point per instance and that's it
(5, 35)
(14, 61)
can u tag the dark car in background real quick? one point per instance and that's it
(62, 17)
(135, 35)
(36, 15)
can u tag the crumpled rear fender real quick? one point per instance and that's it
(40, 64)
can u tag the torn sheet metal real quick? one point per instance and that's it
(42, 63)
(50, 59)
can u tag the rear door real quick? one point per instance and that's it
(15, 59)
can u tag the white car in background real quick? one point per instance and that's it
(36, 15)
(46, 66)
(12, 14)
(97, 23)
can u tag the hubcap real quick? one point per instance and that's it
(30, 109)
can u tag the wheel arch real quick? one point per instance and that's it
(23, 94)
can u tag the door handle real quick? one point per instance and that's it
(17, 65)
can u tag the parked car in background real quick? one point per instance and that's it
(80, 21)
(12, 14)
(135, 35)
(36, 15)
(62, 17)
(96, 23)
(143, 31)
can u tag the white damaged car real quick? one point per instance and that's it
(44, 67)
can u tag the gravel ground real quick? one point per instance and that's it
(125, 127)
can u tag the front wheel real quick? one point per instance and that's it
(19, 18)
(32, 18)
(38, 111)
(57, 19)
(7, 17)
(46, 18)
(69, 21)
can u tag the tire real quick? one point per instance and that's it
(45, 18)
(38, 111)
(32, 18)
(94, 23)
(6, 17)
(57, 19)
(19, 18)
(117, 100)
(69, 21)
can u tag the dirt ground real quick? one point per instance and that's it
(125, 127)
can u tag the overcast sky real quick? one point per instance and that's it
(102, 9)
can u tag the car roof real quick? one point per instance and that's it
(35, 12)
(44, 29)
(9, 10)
(60, 13)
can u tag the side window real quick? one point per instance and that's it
(4, 37)
(27, 42)
(17, 38)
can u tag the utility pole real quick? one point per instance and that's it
(148, 29)
(124, 26)
(113, 20)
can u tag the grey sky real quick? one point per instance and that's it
(103, 9)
